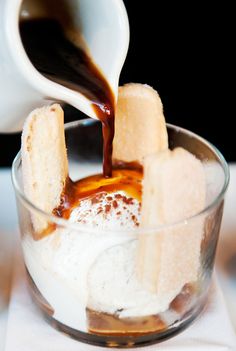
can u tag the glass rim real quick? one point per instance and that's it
(81, 227)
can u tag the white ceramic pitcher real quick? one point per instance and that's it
(104, 26)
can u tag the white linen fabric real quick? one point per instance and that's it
(27, 330)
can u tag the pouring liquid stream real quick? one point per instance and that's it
(61, 61)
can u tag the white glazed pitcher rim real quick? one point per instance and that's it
(49, 89)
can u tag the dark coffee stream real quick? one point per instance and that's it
(58, 59)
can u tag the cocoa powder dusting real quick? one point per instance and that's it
(115, 204)
(107, 208)
(95, 187)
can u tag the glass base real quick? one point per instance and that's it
(113, 341)
(122, 341)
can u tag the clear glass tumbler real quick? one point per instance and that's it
(84, 279)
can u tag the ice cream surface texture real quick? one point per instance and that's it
(93, 267)
(66, 257)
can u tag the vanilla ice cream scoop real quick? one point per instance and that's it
(113, 211)
(68, 255)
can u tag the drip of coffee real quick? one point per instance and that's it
(58, 59)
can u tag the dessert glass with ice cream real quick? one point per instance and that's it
(100, 276)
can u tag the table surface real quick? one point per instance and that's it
(225, 261)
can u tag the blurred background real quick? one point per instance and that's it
(185, 52)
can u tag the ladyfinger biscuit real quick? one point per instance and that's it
(174, 189)
(44, 161)
(140, 127)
